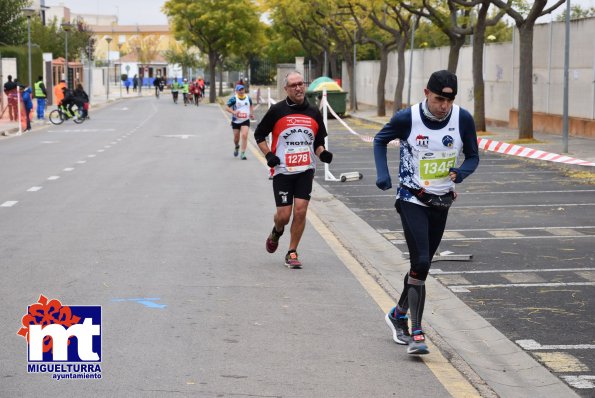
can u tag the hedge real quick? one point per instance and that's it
(21, 54)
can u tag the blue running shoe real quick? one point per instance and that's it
(417, 345)
(400, 329)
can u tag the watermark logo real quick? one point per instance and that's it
(64, 341)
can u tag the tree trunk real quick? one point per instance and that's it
(352, 106)
(318, 69)
(525, 111)
(380, 99)
(221, 79)
(212, 77)
(456, 42)
(478, 82)
(247, 77)
(332, 59)
(401, 46)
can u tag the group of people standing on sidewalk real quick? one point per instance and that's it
(63, 97)
(433, 134)
(16, 91)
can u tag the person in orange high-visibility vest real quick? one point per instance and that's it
(59, 92)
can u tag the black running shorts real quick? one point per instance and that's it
(289, 186)
(236, 126)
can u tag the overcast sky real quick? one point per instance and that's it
(131, 12)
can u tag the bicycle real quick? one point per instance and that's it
(59, 115)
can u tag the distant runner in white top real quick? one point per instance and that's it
(240, 106)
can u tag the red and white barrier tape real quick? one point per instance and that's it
(516, 150)
(483, 143)
(365, 138)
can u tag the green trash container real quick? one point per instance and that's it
(336, 99)
(314, 97)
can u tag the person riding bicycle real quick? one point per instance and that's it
(157, 84)
(82, 100)
(69, 101)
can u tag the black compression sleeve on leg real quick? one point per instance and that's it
(403, 303)
(417, 299)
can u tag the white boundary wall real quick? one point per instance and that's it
(500, 65)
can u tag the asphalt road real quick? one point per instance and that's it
(143, 211)
(530, 230)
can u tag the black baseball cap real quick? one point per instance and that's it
(441, 80)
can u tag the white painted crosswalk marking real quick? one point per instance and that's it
(525, 277)
(532, 345)
(465, 288)
(438, 271)
(581, 381)
(505, 234)
(563, 231)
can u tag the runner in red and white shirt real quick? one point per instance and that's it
(298, 139)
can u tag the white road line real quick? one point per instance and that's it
(53, 178)
(9, 203)
(529, 192)
(580, 382)
(101, 150)
(80, 130)
(484, 193)
(34, 189)
(456, 207)
(532, 345)
(182, 136)
(438, 271)
(518, 237)
(465, 288)
(514, 229)
(91, 156)
(69, 169)
(81, 162)
(562, 205)
(459, 231)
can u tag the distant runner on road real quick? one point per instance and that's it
(242, 110)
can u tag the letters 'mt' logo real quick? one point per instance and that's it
(48, 327)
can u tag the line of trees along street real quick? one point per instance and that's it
(236, 33)
(333, 27)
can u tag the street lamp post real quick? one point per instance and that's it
(139, 81)
(29, 12)
(353, 94)
(411, 59)
(109, 40)
(89, 50)
(120, 74)
(66, 26)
